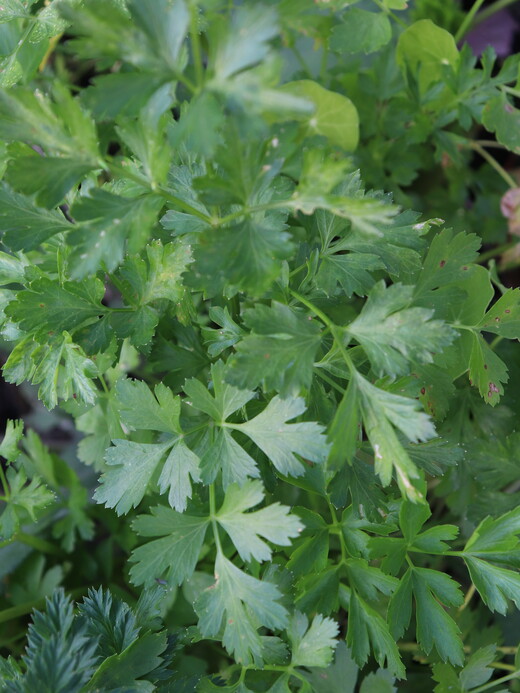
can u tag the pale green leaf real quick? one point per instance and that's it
(280, 441)
(175, 554)
(312, 646)
(247, 530)
(240, 604)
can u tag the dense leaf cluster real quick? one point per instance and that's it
(291, 388)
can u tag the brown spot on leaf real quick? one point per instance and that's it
(423, 390)
(485, 366)
(442, 263)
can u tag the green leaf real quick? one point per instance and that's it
(247, 41)
(447, 260)
(380, 681)
(60, 367)
(12, 269)
(312, 646)
(495, 541)
(423, 48)
(280, 441)
(352, 272)
(335, 116)
(434, 626)
(181, 468)
(229, 334)
(367, 627)
(25, 501)
(361, 32)
(12, 9)
(12, 437)
(50, 306)
(382, 411)
(59, 654)
(246, 528)
(58, 126)
(345, 428)
(478, 671)
(175, 554)
(368, 580)
(240, 604)
(503, 317)
(124, 93)
(224, 454)
(502, 118)
(141, 408)
(339, 677)
(51, 178)
(164, 27)
(279, 351)
(109, 224)
(199, 128)
(140, 658)
(486, 370)
(245, 256)
(24, 225)
(395, 335)
(130, 469)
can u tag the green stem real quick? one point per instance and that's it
(122, 172)
(468, 20)
(510, 90)
(319, 372)
(324, 61)
(295, 271)
(20, 610)
(502, 665)
(246, 211)
(38, 543)
(335, 330)
(492, 9)
(212, 514)
(499, 250)
(26, 608)
(319, 313)
(103, 384)
(494, 163)
(3, 479)
(493, 144)
(195, 45)
(468, 597)
(389, 12)
(337, 526)
(496, 682)
(303, 64)
(338, 338)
